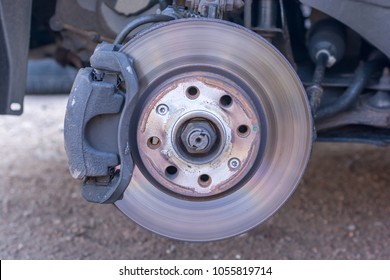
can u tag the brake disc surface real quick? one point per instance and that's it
(218, 59)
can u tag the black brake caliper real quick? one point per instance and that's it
(97, 125)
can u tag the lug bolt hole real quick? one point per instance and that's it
(171, 171)
(192, 92)
(204, 180)
(154, 142)
(226, 101)
(243, 130)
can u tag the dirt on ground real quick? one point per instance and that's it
(341, 210)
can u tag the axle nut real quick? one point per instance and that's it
(198, 136)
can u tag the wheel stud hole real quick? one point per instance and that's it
(192, 92)
(171, 171)
(154, 142)
(226, 101)
(243, 130)
(204, 180)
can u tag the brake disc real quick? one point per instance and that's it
(222, 130)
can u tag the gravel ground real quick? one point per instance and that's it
(341, 209)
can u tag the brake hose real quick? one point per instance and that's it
(138, 22)
(351, 95)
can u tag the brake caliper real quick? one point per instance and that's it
(96, 125)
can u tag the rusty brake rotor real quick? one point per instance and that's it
(222, 130)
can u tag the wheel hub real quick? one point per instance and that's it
(203, 148)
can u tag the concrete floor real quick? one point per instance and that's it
(341, 210)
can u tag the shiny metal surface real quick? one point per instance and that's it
(286, 129)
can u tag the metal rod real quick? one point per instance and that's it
(267, 14)
(315, 90)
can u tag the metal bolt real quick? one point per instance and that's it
(198, 137)
(162, 109)
(234, 163)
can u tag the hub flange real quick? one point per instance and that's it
(207, 122)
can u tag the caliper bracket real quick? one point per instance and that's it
(96, 93)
